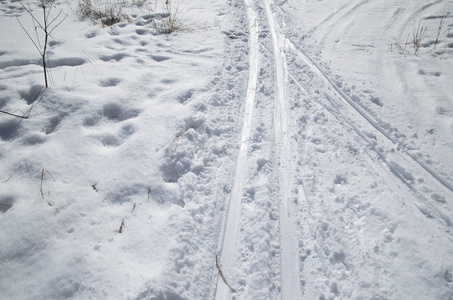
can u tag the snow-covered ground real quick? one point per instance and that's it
(279, 149)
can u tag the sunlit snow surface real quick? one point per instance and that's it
(290, 139)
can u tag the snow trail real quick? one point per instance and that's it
(368, 118)
(289, 268)
(229, 236)
(382, 144)
(281, 145)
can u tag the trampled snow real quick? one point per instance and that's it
(268, 150)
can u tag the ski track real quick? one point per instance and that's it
(289, 267)
(229, 236)
(392, 159)
(288, 186)
(289, 256)
(297, 224)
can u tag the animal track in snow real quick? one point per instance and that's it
(116, 139)
(6, 202)
(159, 58)
(141, 31)
(11, 10)
(92, 34)
(53, 43)
(8, 129)
(192, 123)
(121, 42)
(31, 94)
(114, 57)
(35, 138)
(340, 180)
(53, 123)
(112, 112)
(185, 96)
(320, 119)
(109, 82)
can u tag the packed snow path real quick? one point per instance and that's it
(289, 257)
(341, 121)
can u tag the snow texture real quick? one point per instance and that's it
(289, 140)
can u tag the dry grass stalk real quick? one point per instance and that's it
(42, 178)
(441, 35)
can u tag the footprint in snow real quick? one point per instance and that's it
(114, 57)
(185, 96)
(53, 123)
(30, 95)
(11, 10)
(34, 138)
(92, 34)
(8, 129)
(6, 202)
(112, 112)
(109, 82)
(159, 58)
(114, 140)
(340, 180)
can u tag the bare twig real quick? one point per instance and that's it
(47, 27)
(14, 115)
(121, 227)
(223, 276)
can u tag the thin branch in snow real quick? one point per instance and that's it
(221, 274)
(121, 226)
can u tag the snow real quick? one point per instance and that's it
(289, 140)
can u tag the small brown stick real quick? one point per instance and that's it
(14, 115)
(121, 226)
(133, 208)
(149, 192)
(221, 274)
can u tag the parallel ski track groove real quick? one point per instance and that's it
(368, 118)
(228, 237)
(365, 116)
(289, 260)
